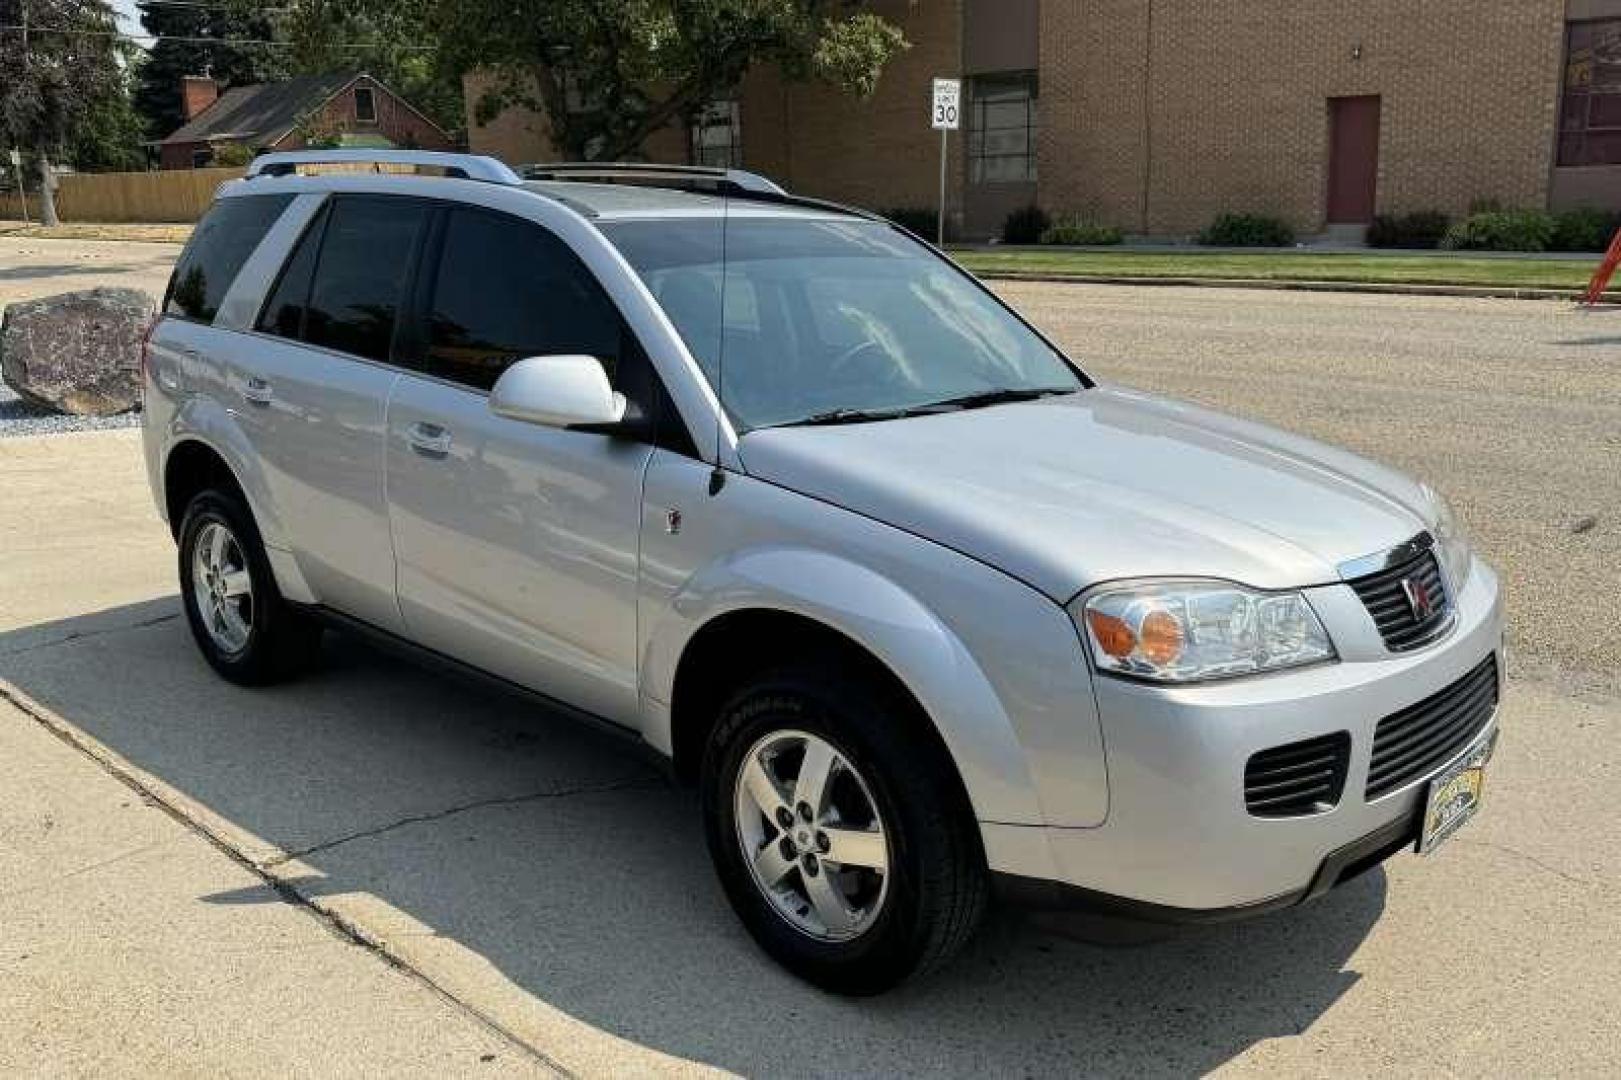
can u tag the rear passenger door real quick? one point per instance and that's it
(516, 544)
(314, 389)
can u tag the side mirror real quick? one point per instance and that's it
(558, 391)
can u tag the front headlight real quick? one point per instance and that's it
(1450, 540)
(1185, 631)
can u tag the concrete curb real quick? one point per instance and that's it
(1284, 285)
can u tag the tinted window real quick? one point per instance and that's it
(284, 312)
(505, 290)
(222, 242)
(361, 274)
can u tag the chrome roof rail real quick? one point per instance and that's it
(459, 166)
(725, 180)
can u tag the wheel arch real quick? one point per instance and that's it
(758, 608)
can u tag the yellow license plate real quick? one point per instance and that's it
(1454, 797)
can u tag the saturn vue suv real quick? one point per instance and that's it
(929, 615)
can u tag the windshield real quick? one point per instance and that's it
(833, 320)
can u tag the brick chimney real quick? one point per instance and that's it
(197, 92)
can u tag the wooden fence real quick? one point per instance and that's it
(167, 195)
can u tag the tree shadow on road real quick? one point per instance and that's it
(572, 868)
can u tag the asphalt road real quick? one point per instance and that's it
(377, 870)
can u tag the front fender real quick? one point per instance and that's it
(886, 619)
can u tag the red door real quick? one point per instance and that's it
(1353, 159)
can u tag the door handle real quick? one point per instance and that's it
(257, 391)
(430, 439)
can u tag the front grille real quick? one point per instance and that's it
(1386, 597)
(1300, 778)
(1422, 737)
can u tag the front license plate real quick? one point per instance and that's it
(1453, 798)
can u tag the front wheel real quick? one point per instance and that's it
(839, 831)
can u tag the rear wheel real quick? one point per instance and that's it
(842, 837)
(245, 630)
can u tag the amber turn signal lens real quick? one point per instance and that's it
(1113, 635)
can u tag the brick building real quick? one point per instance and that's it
(1156, 115)
(345, 107)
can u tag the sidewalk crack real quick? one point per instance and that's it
(643, 780)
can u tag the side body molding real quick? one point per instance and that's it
(991, 661)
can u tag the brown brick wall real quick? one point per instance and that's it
(518, 136)
(879, 153)
(1237, 115)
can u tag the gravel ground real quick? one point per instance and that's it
(20, 418)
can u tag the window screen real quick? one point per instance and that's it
(223, 241)
(361, 274)
(1002, 128)
(505, 290)
(1590, 115)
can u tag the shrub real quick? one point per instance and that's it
(1584, 229)
(1247, 230)
(1422, 229)
(233, 154)
(921, 220)
(1502, 230)
(1078, 230)
(1025, 225)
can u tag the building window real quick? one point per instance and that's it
(1590, 117)
(717, 136)
(1002, 128)
(365, 106)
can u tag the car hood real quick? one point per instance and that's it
(1108, 483)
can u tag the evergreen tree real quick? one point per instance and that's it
(196, 40)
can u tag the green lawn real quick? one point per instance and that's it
(1291, 266)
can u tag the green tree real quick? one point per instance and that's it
(58, 78)
(196, 40)
(609, 73)
(387, 39)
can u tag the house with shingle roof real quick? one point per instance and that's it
(342, 108)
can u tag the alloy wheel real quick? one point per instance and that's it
(222, 588)
(812, 835)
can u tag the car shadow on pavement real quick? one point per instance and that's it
(569, 865)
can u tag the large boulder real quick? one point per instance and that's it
(76, 352)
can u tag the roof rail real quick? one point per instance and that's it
(460, 166)
(725, 180)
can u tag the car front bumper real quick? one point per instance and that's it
(1179, 845)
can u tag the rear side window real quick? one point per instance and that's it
(283, 314)
(220, 245)
(361, 274)
(507, 289)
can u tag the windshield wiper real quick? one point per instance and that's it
(848, 416)
(992, 397)
(966, 401)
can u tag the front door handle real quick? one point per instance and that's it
(257, 391)
(430, 439)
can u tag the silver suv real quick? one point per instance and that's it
(776, 489)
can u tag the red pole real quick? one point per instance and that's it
(1606, 270)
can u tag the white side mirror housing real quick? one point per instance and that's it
(557, 391)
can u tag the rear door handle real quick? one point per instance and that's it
(257, 391)
(430, 439)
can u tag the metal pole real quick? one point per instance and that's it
(940, 220)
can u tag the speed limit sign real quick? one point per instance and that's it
(946, 113)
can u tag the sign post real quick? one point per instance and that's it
(22, 196)
(945, 115)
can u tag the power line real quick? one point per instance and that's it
(16, 27)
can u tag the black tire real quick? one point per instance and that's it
(281, 642)
(937, 879)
